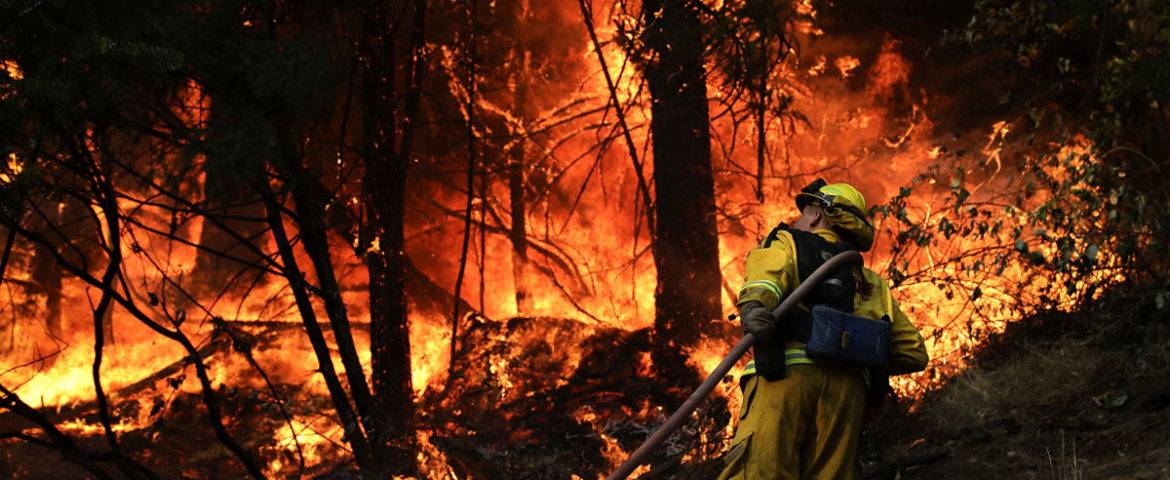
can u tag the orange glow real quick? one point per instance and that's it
(318, 438)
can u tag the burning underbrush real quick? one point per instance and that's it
(556, 397)
(529, 397)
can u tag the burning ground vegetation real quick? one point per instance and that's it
(497, 239)
(535, 394)
(524, 405)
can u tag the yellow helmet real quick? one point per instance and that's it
(844, 206)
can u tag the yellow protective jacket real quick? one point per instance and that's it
(770, 274)
(807, 426)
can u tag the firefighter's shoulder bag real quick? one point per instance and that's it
(845, 337)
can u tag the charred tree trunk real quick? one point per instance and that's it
(309, 207)
(300, 291)
(387, 155)
(46, 274)
(7, 327)
(516, 181)
(686, 244)
(60, 217)
(470, 62)
(521, 271)
(234, 226)
(228, 197)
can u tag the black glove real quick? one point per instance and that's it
(758, 321)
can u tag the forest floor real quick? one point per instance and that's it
(1060, 396)
(534, 398)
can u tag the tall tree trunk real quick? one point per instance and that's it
(228, 196)
(300, 291)
(7, 325)
(470, 61)
(46, 273)
(686, 244)
(387, 155)
(521, 271)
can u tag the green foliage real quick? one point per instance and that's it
(131, 67)
(1109, 60)
(84, 62)
(1075, 228)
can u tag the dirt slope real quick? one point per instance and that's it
(1064, 396)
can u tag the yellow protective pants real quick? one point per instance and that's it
(803, 427)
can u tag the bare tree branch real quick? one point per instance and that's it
(643, 186)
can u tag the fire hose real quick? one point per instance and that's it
(679, 416)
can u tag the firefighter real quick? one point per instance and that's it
(801, 417)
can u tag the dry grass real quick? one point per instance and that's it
(1066, 397)
(1045, 376)
(1064, 466)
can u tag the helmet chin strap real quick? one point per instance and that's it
(819, 220)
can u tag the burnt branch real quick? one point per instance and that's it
(9, 240)
(210, 401)
(643, 185)
(70, 451)
(472, 154)
(113, 268)
(243, 343)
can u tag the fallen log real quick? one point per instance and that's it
(284, 325)
(429, 298)
(217, 345)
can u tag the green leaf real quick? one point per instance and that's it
(1116, 402)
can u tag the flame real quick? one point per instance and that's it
(995, 141)
(13, 167)
(318, 439)
(12, 69)
(431, 461)
(846, 64)
(79, 426)
(14, 72)
(819, 67)
(891, 71)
